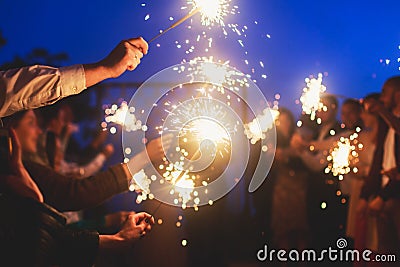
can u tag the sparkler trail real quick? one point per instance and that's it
(343, 157)
(206, 114)
(212, 11)
(311, 97)
(218, 22)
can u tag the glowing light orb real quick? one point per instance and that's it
(311, 97)
(212, 11)
(343, 156)
(256, 129)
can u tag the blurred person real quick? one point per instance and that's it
(36, 86)
(108, 222)
(38, 231)
(51, 147)
(363, 229)
(350, 114)
(289, 209)
(325, 222)
(66, 194)
(380, 194)
(312, 150)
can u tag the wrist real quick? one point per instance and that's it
(110, 243)
(95, 73)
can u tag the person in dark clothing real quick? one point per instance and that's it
(381, 191)
(64, 193)
(38, 231)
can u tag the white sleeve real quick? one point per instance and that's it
(36, 86)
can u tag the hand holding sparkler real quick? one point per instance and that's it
(136, 226)
(125, 56)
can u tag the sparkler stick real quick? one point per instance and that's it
(154, 212)
(191, 14)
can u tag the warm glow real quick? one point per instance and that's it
(207, 129)
(311, 97)
(261, 124)
(212, 11)
(342, 156)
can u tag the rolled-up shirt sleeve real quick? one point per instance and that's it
(35, 86)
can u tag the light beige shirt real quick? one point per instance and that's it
(389, 157)
(35, 86)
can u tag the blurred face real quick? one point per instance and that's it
(28, 132)
(387, 96)
(349, 115)
(284, 124)
(370, 120)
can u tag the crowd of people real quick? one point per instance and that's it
(37, 183)
(309, 207)
(44, 186)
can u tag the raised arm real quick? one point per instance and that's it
(35, 86)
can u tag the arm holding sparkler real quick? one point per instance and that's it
(135, 227)
(312, 158)
(68, 194)
(125, 56)
(36, 86)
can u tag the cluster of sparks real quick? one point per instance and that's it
(343, 157)
(122, 115)
(213, 14)
(256, 129)
(202, 132)
(140, 183)
(311, 97)
(212, 11)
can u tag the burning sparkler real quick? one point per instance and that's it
(204, 111)
(124, 116)
(256, 129)
(344, 156)
(212, 11)
(311, 97)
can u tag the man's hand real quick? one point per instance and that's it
(136, 226)
(125, 56)
(117, 219)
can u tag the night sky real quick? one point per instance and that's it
(346, 39)
(356, 43)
